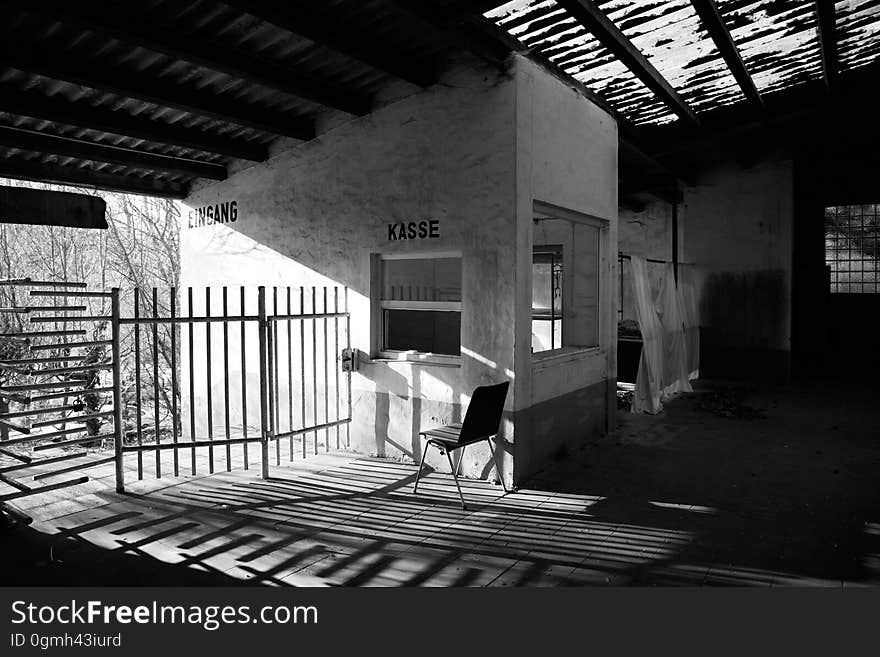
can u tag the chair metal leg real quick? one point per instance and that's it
(455, 478)
(460, 459)
(421, 463)
(497, 467)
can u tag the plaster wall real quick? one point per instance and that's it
(737, 229)
(315, 215)
(474, 152)
(566, 154)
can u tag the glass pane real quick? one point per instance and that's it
(543, 339)
(546, 298)
(422, 279)
(424, 331)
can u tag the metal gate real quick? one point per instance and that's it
(57, 381)
(186, 384)
(242, 370)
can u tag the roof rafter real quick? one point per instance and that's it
(65, 66)
(316, 25)
(715, 26)
(126, 25)
(118, 122)
(588, 14)
(21, 169)
(825, 14)
(492, 48)
(41, 142)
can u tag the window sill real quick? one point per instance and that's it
(564, 355)
(416, 358)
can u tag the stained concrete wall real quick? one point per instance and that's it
(566, 150)
(737, 228)
(472, 152)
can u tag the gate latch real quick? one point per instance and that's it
(350, 360)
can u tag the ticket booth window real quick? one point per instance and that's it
(420, 305)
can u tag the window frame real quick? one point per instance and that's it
(380, 305)
(544, 211)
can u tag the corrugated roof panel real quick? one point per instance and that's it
(777, 39)
(548, 28)
(858, 32)
(673, 38)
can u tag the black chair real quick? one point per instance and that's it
(481, 422)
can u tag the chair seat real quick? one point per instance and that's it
(448, 434)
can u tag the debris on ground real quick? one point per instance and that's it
(730, 403)
(624, 399)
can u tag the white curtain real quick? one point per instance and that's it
(690, 313)
(675, 370)
(670, 336)
(646, 398)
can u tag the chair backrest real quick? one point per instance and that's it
(483, 417)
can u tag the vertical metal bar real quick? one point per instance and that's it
(552, 303)
(244, 424)
(302, 362)
(326, 380)
(335, 356)
(118, 429)
(208, 377)
(156, 381)
(137, 380)
(348, 374)
(273, 381)
(226, 378)
(264, 413)
(192, 385)
(315, 364)
(289, 375)
(175, 428)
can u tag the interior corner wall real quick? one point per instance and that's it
(648, 233)
(737, 228)
(566, 156)
(316, 214)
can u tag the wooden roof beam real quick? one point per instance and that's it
(318, 25)
(715, 26)
(30, 140)
(493, 48)
(20, 169)
(609, 35)
(118, 122)
(119, 21)
(827, 20)
(62, 65)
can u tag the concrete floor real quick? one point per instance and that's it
(782, 491)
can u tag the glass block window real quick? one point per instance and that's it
(851, 248)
